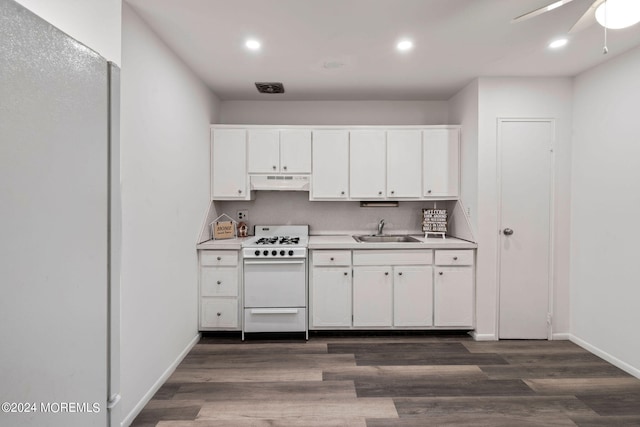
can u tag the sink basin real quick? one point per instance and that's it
(385, 238)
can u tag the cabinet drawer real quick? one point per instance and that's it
(219, 258)
(219, 281)
(392, 257)
(331, 257)
(451, 257)
(219, 313)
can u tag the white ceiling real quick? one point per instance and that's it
(455, 42)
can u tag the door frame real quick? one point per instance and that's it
(551, 255)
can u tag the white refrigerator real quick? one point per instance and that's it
(59, 227)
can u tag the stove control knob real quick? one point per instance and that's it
(281, 253)
(265, 253)
(290, 253)
(257, 253)
(274, 253)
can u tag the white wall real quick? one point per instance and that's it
(605, 209)
(166, 113)
(521, 98)
(95, 23)
(463, 110)
(334, 112)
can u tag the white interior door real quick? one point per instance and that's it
(525, 150)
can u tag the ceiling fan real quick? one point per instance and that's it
(607, 15)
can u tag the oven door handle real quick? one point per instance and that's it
(284, 261)
(274, 311)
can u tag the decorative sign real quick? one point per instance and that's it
(225, 229)
(434, 220)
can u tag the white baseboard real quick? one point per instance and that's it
(563, 336)
(483, 337)
(606, 356)
(126, 422)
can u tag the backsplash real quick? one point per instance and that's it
(325, 217)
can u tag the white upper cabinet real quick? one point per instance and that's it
(441, 162)
(279, 151)
(404, 167)
(367, 172)
(228, 163)
(264, 151)
(295, 151)
(330, 155)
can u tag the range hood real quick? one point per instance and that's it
(280, 182)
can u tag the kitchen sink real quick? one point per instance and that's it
(385, 238)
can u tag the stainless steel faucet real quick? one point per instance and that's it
(380, 227)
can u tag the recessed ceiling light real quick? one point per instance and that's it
(404, 45)
(556, 44)
(252, 44)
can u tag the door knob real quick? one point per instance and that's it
(508, 232)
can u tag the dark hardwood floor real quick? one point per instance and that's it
(392, 381)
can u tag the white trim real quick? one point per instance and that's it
(551, 282)
(561, 336)
(156, 386)
(483, 337)
(606, 356)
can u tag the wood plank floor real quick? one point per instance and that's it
(392, 381)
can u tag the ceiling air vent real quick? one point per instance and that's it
(270, 87)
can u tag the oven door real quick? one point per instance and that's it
(275, 283)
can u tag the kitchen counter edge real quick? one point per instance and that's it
(347, 242)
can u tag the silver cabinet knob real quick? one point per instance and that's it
(400, 273)
(428, 191)
(346, 274)
(219, 282)
(342, 193)
(219, 314)
(508, 232)
(386, 273)
(379, 193)
(219, 258)
(455, 258)
(239, 191)
(274, 167)
(440, 273)
(285, 168)
(393, 192)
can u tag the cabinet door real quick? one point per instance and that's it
(404, 167)
(372, 296)
(453, 296)
(330, 175)
(263, 151)
(228, 161)
(441, 162)
(331, 297)
(219, 313)
(367, 175)
(295, 151)
(413, 296)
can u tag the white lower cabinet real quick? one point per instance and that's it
(219, 277)
(372, 296)
(413, 296)
(331, 289)
(454, 289)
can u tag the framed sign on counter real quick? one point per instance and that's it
(434, 221)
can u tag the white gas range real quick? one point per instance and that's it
(275, 279)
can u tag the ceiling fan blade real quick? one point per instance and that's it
(588, 19)
(540, 11)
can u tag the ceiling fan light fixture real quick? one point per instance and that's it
(617, 14)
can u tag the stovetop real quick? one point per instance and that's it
(277, 241)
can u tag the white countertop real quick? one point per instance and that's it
(347, 242)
